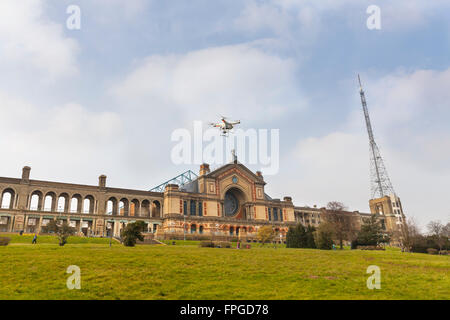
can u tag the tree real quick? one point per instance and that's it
(371, 233)
(133, 232)
(410, 234)
(296, 237)
(340, 222)
(62, 231)
(324, 236)
(266, 234)
(310, 241)
(300, 237)
(438, 230)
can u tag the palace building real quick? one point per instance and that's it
(227, 203)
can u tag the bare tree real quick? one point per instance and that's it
(340, 221)
(409, 233)
(446, 230)
(438, 230)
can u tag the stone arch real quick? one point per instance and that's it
(89, 204)
(145, 208)
(50, 201)
(193, 228)
(135, 208)
(124, 207)
(234, 194)
(63, 206)
(156, 209)
(7, 199)
(112, 207)
(36, 200)
(200, 229)
(76, 203)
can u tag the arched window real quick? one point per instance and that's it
(124, 207)
(231, 231)
(36, 201)
(200, 230)
(86, 205)
(145, 208)
(111, 207)
(7, 200)
(156, 209)
(74, 205)
(135, 208)
(193, 228)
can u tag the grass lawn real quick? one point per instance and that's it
(47, 239)
(189, 272)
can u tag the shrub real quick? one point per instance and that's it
(207, 244)
(4, 241)
(432, 251)
(324, 236)
(444, 252)
(224, 244)
(132, 233)
(215, 244)
(300, 237)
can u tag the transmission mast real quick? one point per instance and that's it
(380, 184)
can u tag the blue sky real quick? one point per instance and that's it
(104, 99)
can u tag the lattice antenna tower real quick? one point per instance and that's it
(380, 184)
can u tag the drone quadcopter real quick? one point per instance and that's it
(225, 126)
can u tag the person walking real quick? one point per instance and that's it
(34, 239)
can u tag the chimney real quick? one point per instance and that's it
(102, 181)
(26, 174)
(204, 169)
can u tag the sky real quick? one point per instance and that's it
(105, 98)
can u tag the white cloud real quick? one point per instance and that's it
(112, 11)
(229, 80)
(30, 43)
(58, 141)
(306, 18)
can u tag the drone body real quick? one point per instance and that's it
(225, 126)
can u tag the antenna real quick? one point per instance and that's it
(380, 183)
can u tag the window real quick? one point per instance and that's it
(192, 211)
(185, 208)
(200, 208)
(275, 214)
(270, 214)
(281, 214)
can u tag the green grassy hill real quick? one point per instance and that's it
(189, 272)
